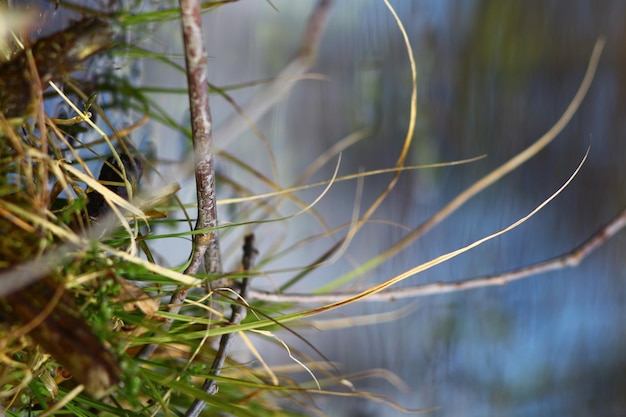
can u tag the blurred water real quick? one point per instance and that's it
(493, 76)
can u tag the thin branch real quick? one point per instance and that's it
(278, 89)
(569, 259)
(206, 249)
(205, 245)
(238, 313)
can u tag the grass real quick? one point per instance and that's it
(106, 278)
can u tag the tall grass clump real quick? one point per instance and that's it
(95, 322)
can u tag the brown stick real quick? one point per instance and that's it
(278, 89)
(238, 313)
(206, 248)
(206, 245)
(570, 259)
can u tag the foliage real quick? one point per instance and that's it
(99, 272)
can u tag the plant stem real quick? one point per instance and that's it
(570, 259)
(206, 244)
(238, 313)
(206, 249)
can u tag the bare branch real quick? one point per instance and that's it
(297, 67)
(259, 106)
(206, 249)
(205, 244)
(238, 313)
(570, 259)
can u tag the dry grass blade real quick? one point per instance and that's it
(336, 149)
(570, 259)
(484, 182)
(356, 226)
(427, 265)
(349, 177)
(515, 162)
(410, 130)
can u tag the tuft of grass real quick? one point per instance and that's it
(106, 278)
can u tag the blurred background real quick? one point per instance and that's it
(493, 76)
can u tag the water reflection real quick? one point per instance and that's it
(493, 76)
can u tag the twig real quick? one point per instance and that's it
(205, 245)
(206, 249)
(238, 313)
(278, 89)
(570, 259)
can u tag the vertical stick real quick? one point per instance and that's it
(206, 245)
(206, 248)
(238, 313)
